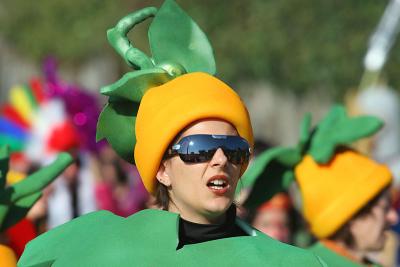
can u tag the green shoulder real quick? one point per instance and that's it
(330, 257)
(100, 237)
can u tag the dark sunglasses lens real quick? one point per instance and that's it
(202, 156)
(201, 148)
(237, 156)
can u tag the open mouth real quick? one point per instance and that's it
(217, 184)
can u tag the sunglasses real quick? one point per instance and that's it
(200, 148)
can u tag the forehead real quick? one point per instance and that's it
(213, 126)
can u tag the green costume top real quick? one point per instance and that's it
(150, 238)
(334, 259)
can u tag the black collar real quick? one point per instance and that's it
(192, 233)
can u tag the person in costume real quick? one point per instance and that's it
(190, 138)
(120, 189)
(345, 195)
(17, 198)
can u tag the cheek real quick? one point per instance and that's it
(236, 176)
(234, 172)
(369, 231)
(185, 176)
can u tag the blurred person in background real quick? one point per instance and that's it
(343, 195)
(273, 218)
(119, 189)
(380, 100)
(40, 120)
(19, 192)
(73, 193)
(347, 204)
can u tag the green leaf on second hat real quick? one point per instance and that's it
(305, 132)
(269, 174)
(337, 128)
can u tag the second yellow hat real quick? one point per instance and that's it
(332, 193)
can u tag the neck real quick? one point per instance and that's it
(195, 217)
(342, 249)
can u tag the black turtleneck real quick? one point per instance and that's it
(192, 233)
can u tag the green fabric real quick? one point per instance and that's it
(13, 143)
(17, 199)
(178, 46)
(174, 37)
(336, 129)
(273, 171)
(150, 238)
(332, 258)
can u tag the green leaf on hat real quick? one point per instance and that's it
(288, 178)
(178, 46)
(175, 38)
(133, 85)
(117, 125)
(305, 132)
(337, 128)
(273, 170)
(269, 174)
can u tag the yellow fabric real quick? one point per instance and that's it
(14, 177)
(332, 193)
(167, 109)
(7, 257)
(21, 103)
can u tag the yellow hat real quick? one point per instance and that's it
(167, 109)
(7, 257)
(332, 193)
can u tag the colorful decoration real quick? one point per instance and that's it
(18, 116)
(38, 113)
(81, 106)
(183, 50)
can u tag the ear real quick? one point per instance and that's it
(162, 174)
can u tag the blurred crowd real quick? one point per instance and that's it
(100, 180)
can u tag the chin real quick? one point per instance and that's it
(218, 206)
(379, 245)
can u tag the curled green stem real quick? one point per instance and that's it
(118, 39)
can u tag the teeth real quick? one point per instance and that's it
(216, 187)
(218, 182)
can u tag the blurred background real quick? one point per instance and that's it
(285, 58)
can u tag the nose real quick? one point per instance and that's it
(219, 158)
(392, 217)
